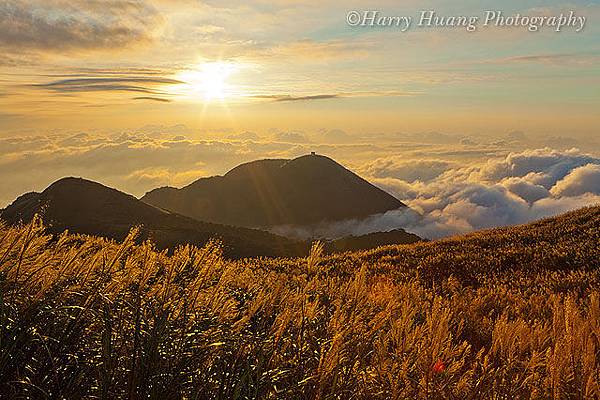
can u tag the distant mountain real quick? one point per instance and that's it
(372, 240)
(87, 207)
(266, 193)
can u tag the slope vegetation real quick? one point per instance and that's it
(511, 313)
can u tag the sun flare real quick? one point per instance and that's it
(209, 80)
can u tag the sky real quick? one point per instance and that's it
(144, 93)
(292, 64)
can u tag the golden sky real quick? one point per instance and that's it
(231, 66)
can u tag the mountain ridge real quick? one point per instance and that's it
(87, 207)
(271, 192)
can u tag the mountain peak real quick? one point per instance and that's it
(264, 193)
(74, 184)
(312, 160)
(254, 167)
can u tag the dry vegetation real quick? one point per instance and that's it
(510, 313)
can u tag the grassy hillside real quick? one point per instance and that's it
(503, 314)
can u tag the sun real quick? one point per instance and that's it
(209, 80)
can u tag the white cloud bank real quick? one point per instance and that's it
(518, 188)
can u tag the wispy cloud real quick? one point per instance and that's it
(129, 84)
(550, 59)
(85, 72)
(287, 97)
(282, 98)
(150, 98)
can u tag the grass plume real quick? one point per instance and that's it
(507, 313)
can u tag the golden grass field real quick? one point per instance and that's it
(511, 313)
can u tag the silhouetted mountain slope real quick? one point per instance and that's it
(88, 207)
(372, 240)
(264, 193)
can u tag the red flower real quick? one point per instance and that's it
(439, 367)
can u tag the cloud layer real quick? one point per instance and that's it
(519, 188)
(451, 188)
(446, 199)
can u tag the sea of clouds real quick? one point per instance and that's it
(451, 184)
(446, 199)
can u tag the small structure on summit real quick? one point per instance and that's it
(313, 153)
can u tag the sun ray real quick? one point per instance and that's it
(209, 81)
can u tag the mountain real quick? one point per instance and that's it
(372, 240)
(266, 193)
(87, 207)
